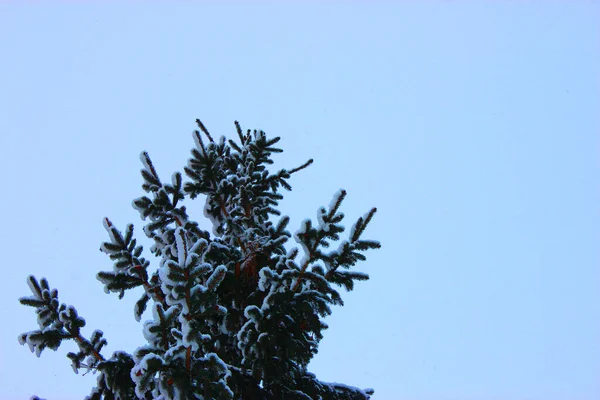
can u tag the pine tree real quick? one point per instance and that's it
(234, 314)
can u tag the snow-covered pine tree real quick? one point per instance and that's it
(234, 314)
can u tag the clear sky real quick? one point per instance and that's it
(474, 127)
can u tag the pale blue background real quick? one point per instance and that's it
(473, 127)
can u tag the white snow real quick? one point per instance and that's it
(186, 331)
(216, 277)
(30, 283)
(138, 372)
(265, 276)
(336, 197)
(302, 231)
(214, 221)
(181, 246)
(145, 159)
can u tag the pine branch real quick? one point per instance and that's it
(201, 125)
(320, 234)
(56, 321)
(234, 316)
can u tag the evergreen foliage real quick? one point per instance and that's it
(234, 314)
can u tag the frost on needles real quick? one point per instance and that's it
(235, 315)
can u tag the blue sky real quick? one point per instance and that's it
(474, 127)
